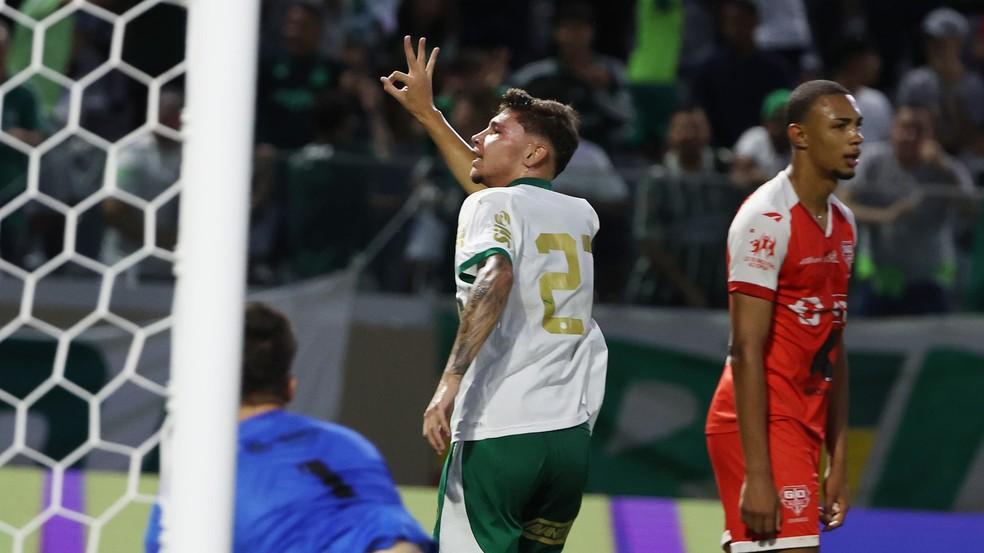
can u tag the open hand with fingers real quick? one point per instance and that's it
(417, 94)
(437, 416)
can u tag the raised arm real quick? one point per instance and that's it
(751, 318)
(417, 97)
(835, 500)
(486, 303)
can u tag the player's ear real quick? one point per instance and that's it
(535, 155)
(797, 136)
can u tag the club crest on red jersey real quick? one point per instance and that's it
(795, 498)
(847, 250)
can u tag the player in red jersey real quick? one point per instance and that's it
(783, 393)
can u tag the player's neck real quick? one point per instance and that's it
(250, 411)
(525, 173)
(811, 188)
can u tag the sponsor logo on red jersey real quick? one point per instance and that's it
(764, 246)
(831, 257)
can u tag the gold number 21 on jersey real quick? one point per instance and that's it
(570, 280)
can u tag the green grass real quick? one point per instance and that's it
(22, 489)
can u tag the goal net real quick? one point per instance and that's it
(94, 161)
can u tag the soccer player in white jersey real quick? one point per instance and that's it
(526, 375)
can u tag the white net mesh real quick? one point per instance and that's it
(88, 203)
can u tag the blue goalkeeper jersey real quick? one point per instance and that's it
(306, 486)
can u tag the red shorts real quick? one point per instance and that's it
(795, 456)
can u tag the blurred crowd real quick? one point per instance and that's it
(682, 107)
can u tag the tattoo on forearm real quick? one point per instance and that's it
(485, 304)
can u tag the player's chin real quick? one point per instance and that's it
(845, 173)
(475, 176)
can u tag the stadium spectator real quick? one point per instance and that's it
(328, 188)
(732, 84)
(591, 175)
(783, 396)
(147, 168)
(437, 19)
(974, 294)
(697, 42)
(595, 85)
(763, 150)
(525, 37)
(657, 59)
(21, 119)
(58, 38)
(857, 65)
(358, 81)
(688, 146)
(74, 168)
(953, 93)
(302, 484)
(290, 80)
(906, 196)
(536, 447)
(475, 71)
(112, 105)
(660, 42)
(266, 219)
(369, 22)
(784, 29)
(977, 46)
(683, 206)
(71, 172)
(973, 153)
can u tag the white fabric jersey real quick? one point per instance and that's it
(543, 366)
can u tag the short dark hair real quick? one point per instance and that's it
(807, 94)
(550, 119)
(268, 352)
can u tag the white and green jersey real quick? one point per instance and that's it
(543, 367)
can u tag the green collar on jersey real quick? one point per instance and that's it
(532, 182)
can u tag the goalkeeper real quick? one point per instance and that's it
(303, 485)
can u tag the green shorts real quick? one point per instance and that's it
(512, 494)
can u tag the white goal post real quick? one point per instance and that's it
(210, 265)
